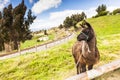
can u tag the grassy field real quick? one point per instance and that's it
(52, 35)
(33, 42)
(57, 63)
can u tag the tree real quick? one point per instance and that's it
(45, 32)
(28, 21)
(18, 15)
(83, 15)
(0, 15)
(101, 8)
(14, 27)
(98, 10)
(1, 35)
(30, 17)
(60, 26)
(21, 24)
(7, 27)
(67, 22)
(116, 11)
(73, 20)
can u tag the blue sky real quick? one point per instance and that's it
(51, 13)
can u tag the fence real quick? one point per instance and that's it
(97, 72)
(39, 47)
(48, 45)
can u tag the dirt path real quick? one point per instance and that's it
(39, 48)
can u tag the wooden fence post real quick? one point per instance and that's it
(97, 72)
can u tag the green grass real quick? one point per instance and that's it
(33, 42)
(37, 66)
(51, 35)
(106, 25)
(57, 63)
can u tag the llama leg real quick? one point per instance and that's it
(83, 66)
(77, 66)
(90, 67)
(79, 69)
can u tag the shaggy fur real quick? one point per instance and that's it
(85, 51)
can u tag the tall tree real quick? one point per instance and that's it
(18, 15)
(7, 27)
(14, 27)
(101, 11)
(21, 24)
(101, 8)
(98, 10)
(0, 15)
(1, 35)
(83, 15)
(27, 22)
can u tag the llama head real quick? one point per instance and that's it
(87, 32)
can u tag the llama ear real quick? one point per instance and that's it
(84, 21)
(82, 25)
(88, 24)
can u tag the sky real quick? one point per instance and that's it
(51, 13)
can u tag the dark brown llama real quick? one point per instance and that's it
(85, 51)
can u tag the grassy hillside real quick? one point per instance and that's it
(57, 63)
(52, 35)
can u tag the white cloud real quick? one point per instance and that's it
(3, 3)
(43, 5)
(31, 1)
(57, 18)
(111, 8)
(90, 12)
(63, 14)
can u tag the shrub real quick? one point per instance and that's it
(38, 40)
(110, 13)
(103, 13)
(116, 11)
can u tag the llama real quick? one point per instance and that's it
(85, 51)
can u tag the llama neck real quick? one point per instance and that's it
(85, 47)
(92, 45)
